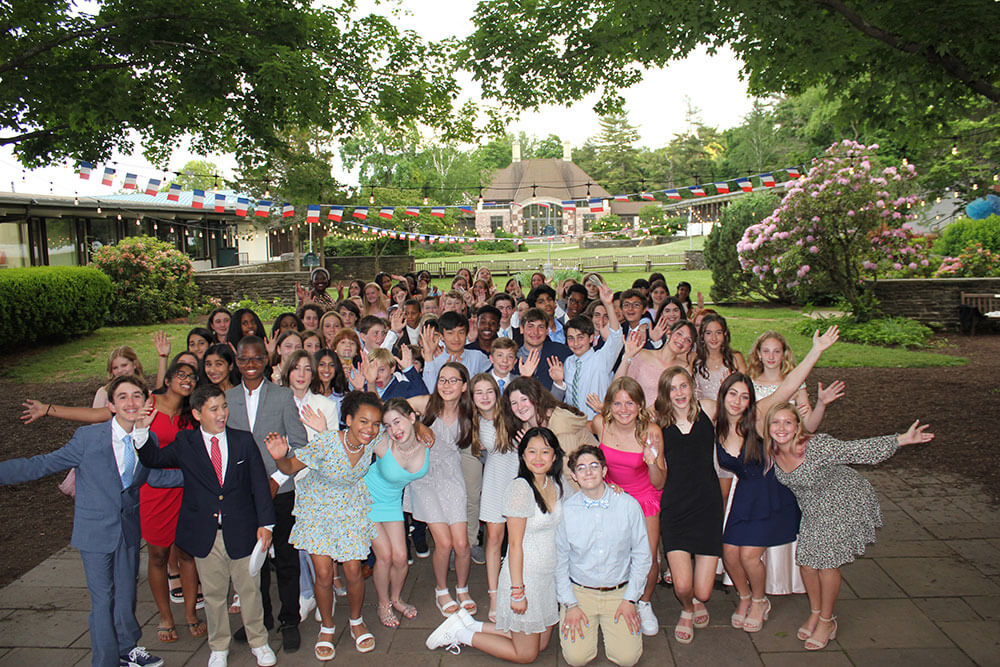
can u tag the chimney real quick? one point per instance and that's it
(515, 151)
(567, 152)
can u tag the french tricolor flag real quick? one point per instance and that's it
(697, 191)
(569, 206)
(648, 196)
(85, 169)
(242, 206)
(220, 204)
(312, 214)
(412, 210)
(385, 212)
(621, 197)
(467, 209)
(672, 194)
(745, 185)
(596, 205)
(109, 176)
(263, 208)
(438, 211)
(174, 193)
(722, 188)
(767, 180)
(361, 213)
(130, 181)
(336, 213)
(544, 204)
(197, 198)
(152, 186)
(793, 172)
(287, 210)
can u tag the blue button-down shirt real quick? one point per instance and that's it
(602, 547)
(474, 361)
(595, 368)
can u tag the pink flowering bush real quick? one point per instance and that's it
(837, 226)
(975, 262)
(151, 280)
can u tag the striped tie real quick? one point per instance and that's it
(217, 458)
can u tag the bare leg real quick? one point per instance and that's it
(731, 559)
(383, 566)
(810, 578)
(463, 556)
(157, 573)
(653, 530)
(323, 590)
(756, 574)
(400, 566)
(494, 542)
(190, 586)
(355, 596)
(518, 648)
(829, 583)
(439, 560)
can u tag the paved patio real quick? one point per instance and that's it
(927, 593)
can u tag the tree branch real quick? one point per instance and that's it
(27, 136)
(947, 62)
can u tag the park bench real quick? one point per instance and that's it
(975, 307)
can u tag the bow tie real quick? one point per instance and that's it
(602, 503)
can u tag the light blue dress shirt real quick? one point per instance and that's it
(474, 361)
(595, 368)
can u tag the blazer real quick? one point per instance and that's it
(276, 412)
(244, 498)
(411, 385)
(105, 513)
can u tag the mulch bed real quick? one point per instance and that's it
(961, 404)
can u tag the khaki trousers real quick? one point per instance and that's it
(472, 471)
(215, 570)
(620, 645)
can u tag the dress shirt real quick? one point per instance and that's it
(253, 398)
(503, 382)
(506, 332)
(595, 368)
(473, 360)
(223, 449)
(118, 433)
(412, 336)
(600, 546)
(559, 335)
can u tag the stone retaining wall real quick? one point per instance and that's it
(933, 302)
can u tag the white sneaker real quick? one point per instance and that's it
(444, 636)
(306, 605)
(218, 659)
(650, 624)
(265, 656)
(467, 618)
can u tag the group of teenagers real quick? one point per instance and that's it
(565, 438)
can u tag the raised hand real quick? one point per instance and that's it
(595, 403)
(368, 368)
(271, 343)
(915, 435)
(357, 378)
(313, 418)
(473, 329)
(824, 341)
(301, 293)
(830, 393)
(649, 453)
(161, 343)
(636, 341)
(147, 413)
(405, 358)
(33, 410)
(661, 328)
(277, 445)
(428, 346)
(605, 294)
(556, 370)
(397, 320)
(527, 367)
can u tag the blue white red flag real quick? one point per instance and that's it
(745, 184)
(621, 197)
(793, 172)
(197, 198)
(174, 193)
(85, 169)
(220, 203)
(467, 209)
(130, 181)
(544, 204)
(596, 205)
(569, 206)
(109, 176)
(767, 180)
(152, 186)
(336, 213)
(722, 188)
(361, 213)
(438, 211)
(242, 205)
(287, 210)
(385, 212)
(263, 208)
(312, 213)
(648, 196)
(697, 191)
(412, 210)
(672, 194)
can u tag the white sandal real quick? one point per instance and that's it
(493, 610)
(445, 609)
(467, 605)
(325, 644)
(362, 638)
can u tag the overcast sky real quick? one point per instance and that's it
(657, 106)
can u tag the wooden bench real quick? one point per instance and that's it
(977, 306)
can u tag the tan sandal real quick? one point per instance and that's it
(701, 616)
(737, 619)
(682, 633)
(753, 625)
(804, 632)
(813, 645)
(405, 608)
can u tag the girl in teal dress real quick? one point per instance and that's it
(402, 458)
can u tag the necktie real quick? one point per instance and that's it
(501, 383)
(128, 456)
(216, 458)
(576, 384)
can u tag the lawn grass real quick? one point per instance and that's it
(564, 252)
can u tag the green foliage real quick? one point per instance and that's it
(885, 331)
(729, 279)
(151, 281)
(965, 232)
(266, 310)
(973, 262)
(607, 223)
(50, 302)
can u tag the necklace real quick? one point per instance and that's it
(407, 450)
(347, 445)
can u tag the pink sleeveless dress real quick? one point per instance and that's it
(648, 377)
(629, 471)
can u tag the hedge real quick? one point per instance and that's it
(51, 302)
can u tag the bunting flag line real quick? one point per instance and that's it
(220, 204)
(174, 193)
(361, 213)
(767, 180)
(130, 181)
(466, 209)
(287, 210)
(312, 214)
(152, 186)
(745, 184)
(648, 196)
(596, 205)
(336, 213)
(197, 198)
(672, 194)
(722, 188)
(85, 169)
(242, 205)
(793, 172)
(621, 198)
(385, 212)
(544, 204)
(109, 176)
(412, 210)
(696, 191)
(438, 211)
(263, 208)
(569, 206)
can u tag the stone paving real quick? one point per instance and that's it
(927, 593)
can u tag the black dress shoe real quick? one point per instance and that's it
(241, 634)
(290, 638)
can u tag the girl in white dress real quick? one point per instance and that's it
(527, 608)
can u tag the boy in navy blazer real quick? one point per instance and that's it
(106, 517)
(226, 509)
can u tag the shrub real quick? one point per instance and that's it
(965, 233)
(266, 310)
(729, 279)
(50, 302)
(151, 281)
(885, 331)
(974, 262)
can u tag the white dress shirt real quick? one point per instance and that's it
(118, 433)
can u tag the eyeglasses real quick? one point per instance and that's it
(183, 375)
(250, 360)
(449, 380)
(584, 467)
(632, 304)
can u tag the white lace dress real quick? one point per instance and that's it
(499, 471)
(539, 564)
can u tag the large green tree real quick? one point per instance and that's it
(81, 81)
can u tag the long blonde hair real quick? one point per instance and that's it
(769, 445)
(634, 391)
(663, 407)
(755, 367)
(382, 305)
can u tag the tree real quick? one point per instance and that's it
(79, 81)
(607, 223)
(200, 174)
(615, 154)
(729, 279)
(531, 53)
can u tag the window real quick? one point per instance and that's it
(496, 223)
(60, 238)
(588, 220)
(536, 218)
(14, 245)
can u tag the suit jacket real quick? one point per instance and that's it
(276, 412)
(244, 498)
(550, 348)
(411, 385)
(104, 512)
